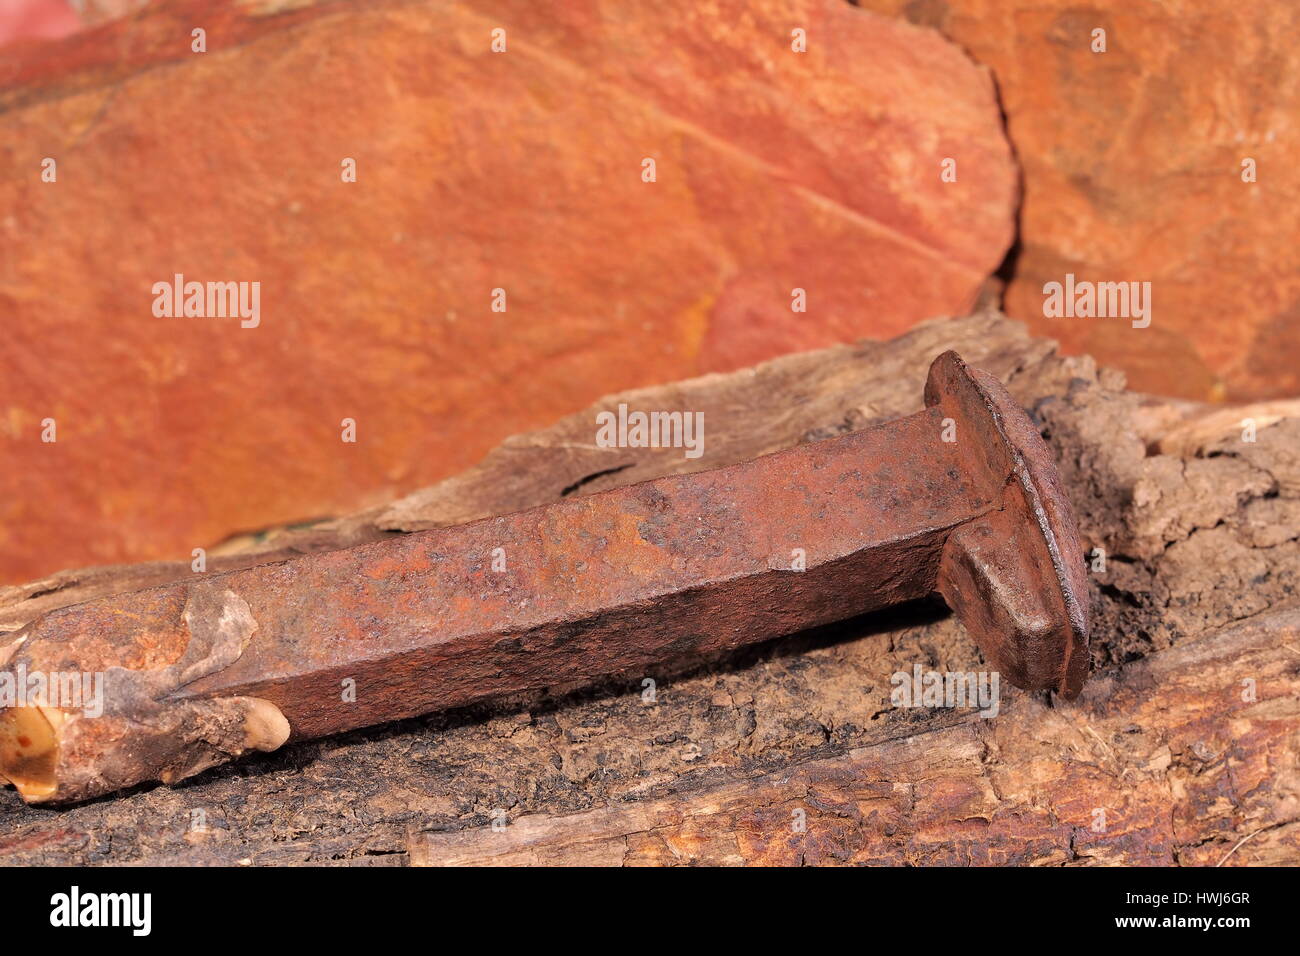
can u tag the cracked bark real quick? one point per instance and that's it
(1201, 570)
(1024, 788)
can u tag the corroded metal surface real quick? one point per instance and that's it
(961, 498)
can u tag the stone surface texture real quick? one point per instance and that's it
(476, 171)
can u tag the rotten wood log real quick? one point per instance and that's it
(1103, 786)
(1192, 546)
(582, 590)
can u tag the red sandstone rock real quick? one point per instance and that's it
(476, 171)
(1133, 171)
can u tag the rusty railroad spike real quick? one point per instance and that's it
(196, 673)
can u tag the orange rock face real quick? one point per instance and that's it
(503, 256)
(1133, 171)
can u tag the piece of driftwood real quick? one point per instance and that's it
(1183, 750)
